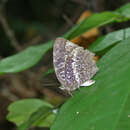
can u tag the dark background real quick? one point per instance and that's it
(31, 22)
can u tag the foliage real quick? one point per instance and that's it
(104, 105)
(109, 40)
(32, 55)
(30, 112)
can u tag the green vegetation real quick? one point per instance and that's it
(104, 105)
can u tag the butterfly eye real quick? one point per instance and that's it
(73, 65)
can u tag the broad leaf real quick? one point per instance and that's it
(98, 20)
(45, 122)
(24, 59)
(43, 112)
(105, 104)
(102, 43)
(124, 10)
(30, 112)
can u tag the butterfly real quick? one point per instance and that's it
(74, 66)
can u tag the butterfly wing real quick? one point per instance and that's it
(85, 66)
(59, 59)
(73, 65)
(63, 63)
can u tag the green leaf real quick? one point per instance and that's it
(124, 121)
(105, 104)
(124, 10)
(102, 43)
(25, 59)
(96, 20)
(28, 112)
(100, 19)
(45, 122)
(43, 112)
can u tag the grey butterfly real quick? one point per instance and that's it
(74, 66)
